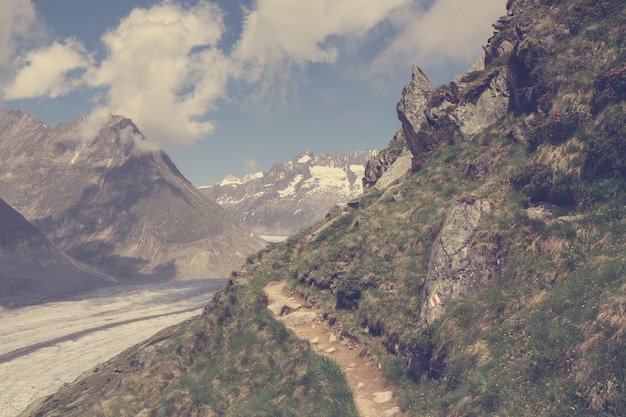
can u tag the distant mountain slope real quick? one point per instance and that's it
(32, 268)
(94, 190)
(292, 194)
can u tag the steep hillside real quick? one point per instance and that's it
(292, 194)
(32, 268)
(96, 190)
(491, 281)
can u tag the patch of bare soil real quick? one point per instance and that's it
(372, 394)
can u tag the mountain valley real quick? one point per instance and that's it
(482, 271)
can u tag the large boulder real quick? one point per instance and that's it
(458, 265)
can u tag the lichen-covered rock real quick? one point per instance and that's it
(492, 103)
(478, 168)
(457, 265)
(412, 106)
(380, 163)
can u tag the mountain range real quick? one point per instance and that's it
(98, 191)
(292, 194)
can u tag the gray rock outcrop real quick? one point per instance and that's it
(480, 97)
(380, 163)
(412, 107)
(457, 266)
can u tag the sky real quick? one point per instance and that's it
(229, 86)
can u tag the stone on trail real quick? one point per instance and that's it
(391, 412)
(382, 397)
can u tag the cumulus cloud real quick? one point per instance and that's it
(279, 34)
(19, 28)
(164, 70)
(18, 22)
(47, 71)
(449, 31)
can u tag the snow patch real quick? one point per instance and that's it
(230, 180)
(76, 155)
(254, 176)
(357, 169)
(304, 159)
(329, 177)
(291, 188)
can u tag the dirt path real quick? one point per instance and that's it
(373, 397)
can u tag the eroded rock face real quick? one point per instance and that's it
(480, 97)
(377, 166)
(412, 106)
(491, 104)
(457, 266)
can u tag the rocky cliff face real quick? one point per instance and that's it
(379, 164)
(32, 268)
(292, 194)
(97, 191)
(497, 83)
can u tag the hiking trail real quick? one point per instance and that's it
(372, 395)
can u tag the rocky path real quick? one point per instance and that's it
(373, 397)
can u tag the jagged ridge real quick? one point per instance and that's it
(292, 194)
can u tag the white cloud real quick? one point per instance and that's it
(19, 28)
(46, 72)
(17, 22)
(163, 69)
(163, 66)
(448, 32)
(279, 34)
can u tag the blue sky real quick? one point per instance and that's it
(231, 87)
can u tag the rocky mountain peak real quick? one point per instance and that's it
(97, 189)
(292, 194)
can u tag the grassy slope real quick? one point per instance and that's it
(545, 338)
(233, 360)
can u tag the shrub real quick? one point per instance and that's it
(605, 148)
(348, 294)
(609, 87)
(441, 131)
(587, 12)
(539, 182)
(554, 128)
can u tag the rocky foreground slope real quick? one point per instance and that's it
(490, 281)
(32, 268)
(96, 189)
(292, 194)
